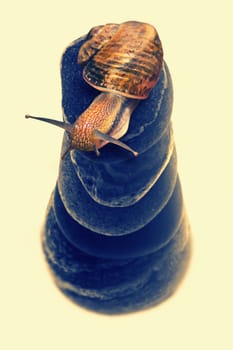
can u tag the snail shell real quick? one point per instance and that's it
(126, 59)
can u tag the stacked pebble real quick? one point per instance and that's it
(116, 235)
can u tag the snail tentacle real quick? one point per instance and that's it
(97, 152)
(109, 139)
(63, 125)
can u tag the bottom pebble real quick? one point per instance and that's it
(114, 286)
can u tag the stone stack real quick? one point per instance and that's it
(116, 235)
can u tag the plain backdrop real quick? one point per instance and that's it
(197, 41)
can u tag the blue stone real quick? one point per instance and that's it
(110, 220)
(120, 285)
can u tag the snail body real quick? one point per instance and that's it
(124, 63)
(104, 121)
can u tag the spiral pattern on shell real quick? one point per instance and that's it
(126, 58)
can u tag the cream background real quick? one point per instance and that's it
(197, 40)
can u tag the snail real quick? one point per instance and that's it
(122, 61)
